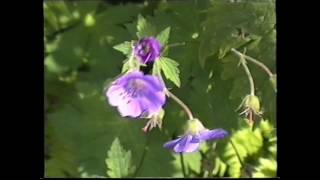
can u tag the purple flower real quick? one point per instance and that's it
(137, 95)
(147, 50)
(191, 141)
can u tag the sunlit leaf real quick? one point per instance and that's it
(144, 28)
(170, 69)
(118, 161)
(163, 36)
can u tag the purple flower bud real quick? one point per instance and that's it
(195, 135)
(147, 50)
(137, 95)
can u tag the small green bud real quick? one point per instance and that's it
(194, 126)
(253, 103)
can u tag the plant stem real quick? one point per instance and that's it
(145, 150)
(258, 63)
(246, 69)
(184, 106)
(182, 165)
(237, 153)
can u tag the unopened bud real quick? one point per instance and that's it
(194, 126)
(253, 103)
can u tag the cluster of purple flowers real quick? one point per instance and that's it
(137, 95)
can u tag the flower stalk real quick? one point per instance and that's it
(258, 63)
(246, 69)
(184, 106)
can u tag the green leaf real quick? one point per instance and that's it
(163, 36)
(124, 47)
(267, 168)
(170, 69)
(50, 19)
(95, 124)
(118, 161)
(81, 105)
(246, 143)
(219, 167)
(125, 66)
(192, 164)
(144, 28)
(61, 161)
(228, 27)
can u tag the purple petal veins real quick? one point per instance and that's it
(213, 134)
(190, 143)
(147, 50)
(187, 143)
(137, 95)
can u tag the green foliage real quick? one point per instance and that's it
(144, 28)
(192, 164)
(273, 81)
(61, 162)
(170, 69)
(119, 161)
(247, 148)
(231, 28)
(87, 45)
(124, 47)
(266, 168)
(163, 36)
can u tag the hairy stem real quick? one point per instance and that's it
(184, 106)
(246, 69)
(182, 165)
(258, 63)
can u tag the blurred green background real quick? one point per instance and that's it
(80, 125)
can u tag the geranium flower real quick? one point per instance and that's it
(194, 136)
(147, 50)
(137, 95)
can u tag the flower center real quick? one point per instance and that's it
(146, 49)
(134, 88)
(137, 84)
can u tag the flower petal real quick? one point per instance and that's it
(153, 46)
(114, 94)
(187, 144)
(212, 134)
(171, 144)
(154, 82)
(128, 77)
(136, 95)
(130, 108)
(152, 102)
